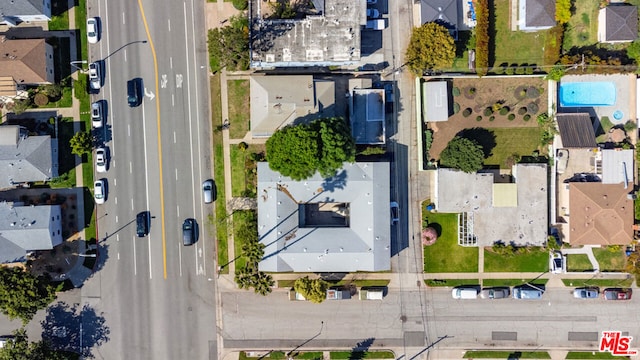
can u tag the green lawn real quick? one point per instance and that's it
(239, 112)
(66, 160)
(515, 46)
(220, 220)
(451, 282)
(279, 355)
(592, 355)
(59, 16)
(513, 282)
(598, 282)
(604, 125)
(578, 262)
(243, 180)
(242, 219)
(536, 260)
(506, 355)
(610, 260)
(509, 141)
(81, 24)
(582, 28)
(64, 102)
(446, 255)
(345, 355)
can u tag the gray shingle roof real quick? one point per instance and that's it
(31, 159)
(439, 10)
(621, 23)
(364, 245)
(28, 228)
(576, 130)
(540, 13)
(21, 7)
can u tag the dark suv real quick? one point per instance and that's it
(143, 221)
(134, 92)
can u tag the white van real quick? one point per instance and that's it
(372, 293)
(465, 293)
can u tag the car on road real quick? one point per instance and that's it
(528, 292)
(100, 191)
(617, 294)
(464, 292)
(134, 92)
(395, 213)
(588, 292)
(101, 160)
(376, 24)
(96, 114)
(189, 232)
(373, 13)
(143, 222)
(209, 191)
(495, 293)
(93, 31)
(556, 262)
(294, 295)
(95, 76)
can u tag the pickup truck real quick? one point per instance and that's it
(373, 293)
(338, 294)
(294, 295)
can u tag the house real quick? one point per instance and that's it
(367, 112)
(536, 15)
(617, 167)
(599, 214)
(277, 101)
(14, 12)
(340, 224)
(576, 131)
(26, 158)
(493, 207)
(328, 35)
(443, 12)
(27, 61)
(28, 228)
(435, 101)
(618, 23)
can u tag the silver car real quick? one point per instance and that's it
(495, 293)
(95, 77)
(209, 191)
(96, 114)
(586, 293)
(101, 160)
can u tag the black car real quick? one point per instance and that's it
(143, 222)
(134, 92)
(189, 234)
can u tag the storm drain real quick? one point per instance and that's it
(504, 335)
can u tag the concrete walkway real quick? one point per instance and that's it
(587, 250)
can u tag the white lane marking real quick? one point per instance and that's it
(118, 255)
(180, 257)
(115, 182)
(169, 23)
(116, 200)
(116, 219)
(130, 167)
(129, 129)
(131, 204)
(163, 82)
(118, 237)
(171, 62)
(193, 191)
(123, 22)
(179, 80)
(193, 41)
(125, 55)
(173, 100)
(174, 137)
(178, 210)
(176, 174)
(135, 258)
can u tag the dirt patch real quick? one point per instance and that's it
(491, 103)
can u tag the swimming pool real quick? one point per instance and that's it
(575, 94)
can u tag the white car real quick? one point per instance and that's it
(96, 114)
(101, 160)
(99, 191)
(556, 262)
(95, 79)
(395, 213)
(93, 33)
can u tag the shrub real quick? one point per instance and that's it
(478, 118)
(520, 70)
(40, 99)
(532, 92)
(498, 70)
(466, 112)
(504, 110)
(529, 70)
(488, 111)
(511, 117)
(240, 4)
(455, 91)
(492, 118)
(532, 108)
(522, 111)
(630, 126)
(509, 71)
(482, 36)
(456, 108)
(527, 117)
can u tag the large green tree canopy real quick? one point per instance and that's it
(229, 45)
(464, 154)
(298, 151)
(314, 290)
(22, 294)
(431, 47)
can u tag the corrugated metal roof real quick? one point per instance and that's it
(576, 130)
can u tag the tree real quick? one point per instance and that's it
(81, 143)
(19, 348)
(53, 91)
(463, 154)
(633, 50)
(22, 294)
(563, 11)
(431, 47)
(229, 45)
(481, 32)
(298, 151)
(253, 250)
(20, 106)
(313, 290)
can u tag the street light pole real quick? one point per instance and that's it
(73, 63)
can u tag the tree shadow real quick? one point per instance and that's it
(437, 227)
(76, 330)
(484, 137)
(360, 350)
(336, 182)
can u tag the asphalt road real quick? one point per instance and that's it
(156, 295)
(400, 320)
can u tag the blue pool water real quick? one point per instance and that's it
(575, 94)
